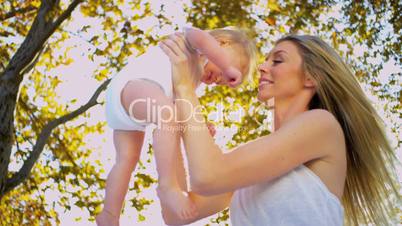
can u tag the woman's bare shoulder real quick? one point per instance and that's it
(327, 128)
(325, 118)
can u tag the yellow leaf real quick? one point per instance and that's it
(35, 3)
(213, 22)
(104, 72)
(64, 35)
(270, 21)
(273, 5)
(68, 61)
(282, 29)
(102, 75)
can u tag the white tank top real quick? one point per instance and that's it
(299, 198)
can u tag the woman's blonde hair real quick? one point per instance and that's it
(239, 39)
(370, 158)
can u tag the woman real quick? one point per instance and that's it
(327, 145)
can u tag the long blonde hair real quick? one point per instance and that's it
(370, 158)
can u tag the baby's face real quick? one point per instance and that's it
(212, 74)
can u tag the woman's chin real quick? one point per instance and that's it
(263, 97)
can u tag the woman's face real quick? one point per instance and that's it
(281, 73)
(213, 74)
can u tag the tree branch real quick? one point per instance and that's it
(33, 62)
(65, 15)
(14, 12)
(26, 169)
(66, 151)
(16, 141)
(27, 140)
(42, 28)
(29, 48)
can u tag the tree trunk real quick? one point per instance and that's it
(7, 103)
(22, 61)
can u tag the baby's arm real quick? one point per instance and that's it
(208, 45)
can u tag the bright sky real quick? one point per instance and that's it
(80, 72)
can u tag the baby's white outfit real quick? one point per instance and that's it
(153, 65)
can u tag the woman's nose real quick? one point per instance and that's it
(262, 67)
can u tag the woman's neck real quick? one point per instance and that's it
(286, 110)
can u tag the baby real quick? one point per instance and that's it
(141, 94)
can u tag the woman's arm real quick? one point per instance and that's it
(310, 135)
(206, 206)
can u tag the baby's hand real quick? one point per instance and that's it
(233, 76)
(211, 128)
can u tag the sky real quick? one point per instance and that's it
(81, 71)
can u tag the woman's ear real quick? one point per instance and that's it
(309, 82)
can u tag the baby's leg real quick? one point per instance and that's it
(128, 146)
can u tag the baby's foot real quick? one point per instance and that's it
(106, 218)
(178, 201)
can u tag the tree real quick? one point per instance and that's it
(45, 138)
(37, 133)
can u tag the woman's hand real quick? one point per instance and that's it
(175, 48)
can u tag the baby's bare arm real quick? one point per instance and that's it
(208, 45)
